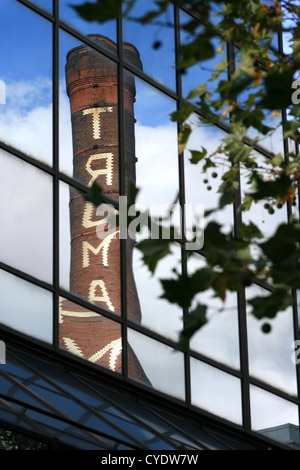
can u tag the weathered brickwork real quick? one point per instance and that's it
(92, 86)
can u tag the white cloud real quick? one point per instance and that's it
(26, 118)
(26, 217)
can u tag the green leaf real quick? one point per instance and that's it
(178, 291)
(230, 89)
(199, 91)
(182, 114)
(268, 307)
(193, 321)
(93, 194)
(184, 135)
(197, 156)
(150, 15)
(249, 231)
(153, 251)
(228, 192)
(196, 51)
(278, 89)
(182, 290)
(255, 119)
(101, 11)
(277, 160)
(277, 188)
(283, 244)
(246, 203)
(220, 67)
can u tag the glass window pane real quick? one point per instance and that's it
(203, 70)
(272, 141)
(91, 336)
(72, 18)
(155, 146)
(89, 114)
(144, 302)
(270, 354)
(89, 265)
(26, 307)
(216, 391)
(200, 187)
(26, 217)
(26, 73)
(156, 177)
(219, 337)
(66, 44)
(274, 417)
(154, 41)
(163, 366)
(266, 216)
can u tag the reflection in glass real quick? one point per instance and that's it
(201, 72)
(89, 113)
(158, 184)
(163, 365)
(219, 337)
(92, 89)
(94, 254)
(26, 217)
(89, 266)
(25, 307)
(266, 218)
(200, 187)
(26, 72)
(216, 391)
(157, 314)
(154, 40)
(45, 4)
(89, 335)
(269, 411)
(270, 354)
(66, 44)
(272, 141)
(156, 147)
(72, 18)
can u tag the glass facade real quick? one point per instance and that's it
(88, 103)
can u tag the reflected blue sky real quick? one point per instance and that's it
(30, 55)
(71, 17)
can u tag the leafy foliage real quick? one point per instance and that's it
(10, 440)
(256, 94)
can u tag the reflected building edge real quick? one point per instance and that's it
(92, 87)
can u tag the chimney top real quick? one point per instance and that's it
(130, 52)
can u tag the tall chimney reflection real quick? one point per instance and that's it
(95, 274)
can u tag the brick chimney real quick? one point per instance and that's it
(92, 87)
